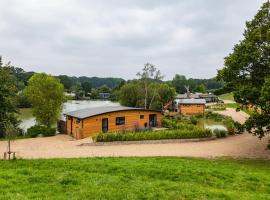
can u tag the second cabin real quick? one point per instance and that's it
(86, 122)
(191, 106)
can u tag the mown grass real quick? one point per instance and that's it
(134, 178)
(227, 96)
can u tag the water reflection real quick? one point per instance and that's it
(27, 120)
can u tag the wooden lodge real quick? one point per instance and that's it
(191, 106)
(86, 122)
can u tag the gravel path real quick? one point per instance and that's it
(63, 146)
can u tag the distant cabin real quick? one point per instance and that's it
(191, 106)
(86, 122)
(209, 98)
(104, 95)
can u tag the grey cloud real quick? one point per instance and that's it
(115, 38)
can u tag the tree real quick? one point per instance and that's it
(129, 94)
(246, 70)
(132, 94)
(66, 81)
(87, 87)
(200, 88)
(149, 74)
(46, 95)
(179, 82)
(8, 97)
(104, 89)
(10, 134)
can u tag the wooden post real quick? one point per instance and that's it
(8, 148)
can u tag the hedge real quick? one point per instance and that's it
(36, 130)
(153, 135)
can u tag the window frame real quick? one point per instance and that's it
(120, 121)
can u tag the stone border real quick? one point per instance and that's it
(147, 142)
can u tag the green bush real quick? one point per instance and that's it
(153, 135)
(218, 107)
(177, 124)
(193, 120)
(36, 130)
(239, 127)
(220, 133)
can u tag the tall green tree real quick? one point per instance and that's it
(8, 97)
(87, 87)
(201, 88)
(246, 70)
(46, 95)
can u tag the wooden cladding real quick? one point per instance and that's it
(117, 121)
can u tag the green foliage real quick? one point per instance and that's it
(87, 87)
(174, 123)
(22, 101)
(132, 94)
(218, 107)
(240, 128)
(246, 70)
(8, 91)
(154, 135)
(46, 95)
(227, 96)
(11, 132)
(193, 120)
(200, 88)
(227, 121)
(135, 178)
(36, 130)
(220, 133)
(196, 85)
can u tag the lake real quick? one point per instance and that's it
(27, 119)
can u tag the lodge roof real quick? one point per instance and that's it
(89, 112)
(192, 101)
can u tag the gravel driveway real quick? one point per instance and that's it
(63, 146)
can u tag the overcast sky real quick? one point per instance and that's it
(114, 38)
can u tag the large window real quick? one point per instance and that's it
(120, 121)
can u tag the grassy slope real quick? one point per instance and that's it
(134, 178)
(227, 96)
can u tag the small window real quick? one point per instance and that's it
(78, 121)
(141, 116)
(120, 120)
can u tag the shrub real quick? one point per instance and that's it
(153, 135)
(193, 120)
(239, 127)
(218, 107)
(36, 130)
(220, 133)
(177, 124)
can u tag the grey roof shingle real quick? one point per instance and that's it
(192, 101)
(89, 112)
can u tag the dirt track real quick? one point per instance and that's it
(240, 146)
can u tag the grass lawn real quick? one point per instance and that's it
(227, 96)
(134, 178)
